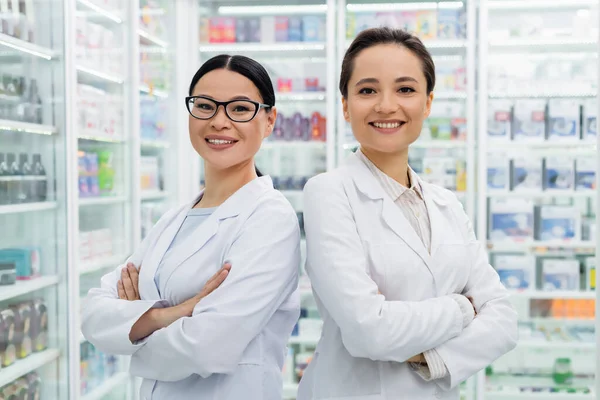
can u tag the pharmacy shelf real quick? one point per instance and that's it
(107, 386)
(27, 365)
(543, 94)
(97, 201)
(423, 144)
(88, 267)
(273, 10)
(295, 144)
(102, 139)
(540, 245)
(290, 391)
(25, 48)
(542, 194)
(27, 207)
(555, 294)
(25, 287)
(92, 76)
(508, 387)
(98, 11)
(26, 127)
(300, 96)
(148, 39)
(449, 95)
(545, 44)
(537, 344)
(515, 395)
(154, 144)
(512, 5)
(437, 44)
(262, 47)
(154, 195)
(153, 92)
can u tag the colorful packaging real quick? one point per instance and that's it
(106, 172)
(585, 173)
(511, 219)
(407, 20)
(281, 29)
(560, 274)
(228, 32)
(559, 173)
(590, 267)
(516, 271)
(215, 30)
(426, 24)
(449, 24)
(25, 259)
(499, 120)
(559, 223)
(295, 29)
(311, 26)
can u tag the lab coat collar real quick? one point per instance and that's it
(236, 204)
(391, 214)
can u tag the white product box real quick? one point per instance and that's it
(529, 121)
(526, 174)
(267, 29)
(560, 275)
(85, 247)
(516, 271)
(590, 117)
(499, 120)
(559, 173)
(498, 172)
(563, 120)
(559, 223)
(511, 220)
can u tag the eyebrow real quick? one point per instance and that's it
(374, 80)
(240, 97)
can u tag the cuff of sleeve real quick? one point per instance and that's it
(422, 370)
(437, 368)
(465, 307)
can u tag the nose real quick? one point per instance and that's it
(220, 121)
(387, 104)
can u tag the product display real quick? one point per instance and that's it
(22, 181)
(24, 261)
(27, 387)
(153, 114)
(96, 173)
(299, 128)
(20, 99)
(24, 330)
(511, 219)
(95, 244)
(98, 47)
(95, 367)
(100, 115)
(266, 29)
(150, 168)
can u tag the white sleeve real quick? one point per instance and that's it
(265, 260)
(106, 320)
(494, 331)
(371, 327)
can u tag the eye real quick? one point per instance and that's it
(406, 90)
(204, 106)
(240, 109)
(366, 91)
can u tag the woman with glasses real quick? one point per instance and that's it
(206, 304)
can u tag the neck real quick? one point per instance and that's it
(221, 184)
(394, 165)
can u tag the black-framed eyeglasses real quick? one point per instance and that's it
(201, 107)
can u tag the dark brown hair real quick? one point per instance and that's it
(385, 35)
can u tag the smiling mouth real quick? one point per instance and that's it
(387, 125)
(220, 141)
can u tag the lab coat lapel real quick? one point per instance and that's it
(390, 213)
(436, 206)
(238, 203)
(155, 255)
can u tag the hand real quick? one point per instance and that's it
(214, 282)
(473, 304)
(419, 359)
(128, 286)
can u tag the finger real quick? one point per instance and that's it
(121, 291)
(210, 287)
(225, 267)
(127, 284)
(133, 274)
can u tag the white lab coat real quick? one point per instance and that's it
(234, 345)
(358, 243)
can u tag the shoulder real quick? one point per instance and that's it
(272, 207)
(329, 182)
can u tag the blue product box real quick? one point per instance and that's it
(559, 173)
(563, 120)
(295, 29)
(516, 271)
(560, 275)
(529, 121)
(526, 174)
(26, 260)
(585, 174)
(590, 120)
(511, 219)
(559, 223)
(241, 31)
(311, 25)
(449, 24)
(253, 30)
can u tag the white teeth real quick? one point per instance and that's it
(219, 141)
(389, 125)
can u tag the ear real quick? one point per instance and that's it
(428, 104)
(271, 118)
(345, 109)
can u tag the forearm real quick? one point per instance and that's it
(153, 320)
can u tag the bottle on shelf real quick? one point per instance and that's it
(19, 112)
(34, 104)
(27, 182)
(40, 192)
(4, 197)
(14, 182)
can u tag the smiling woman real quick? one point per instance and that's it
(400, 278)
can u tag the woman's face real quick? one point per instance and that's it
(224, 85)
(387, 98)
